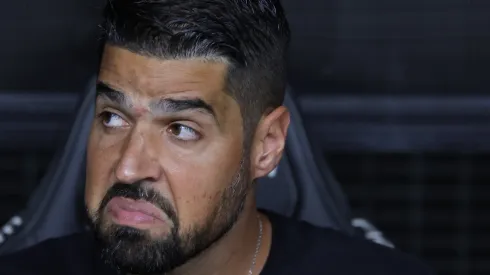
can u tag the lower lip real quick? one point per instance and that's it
(131, 218)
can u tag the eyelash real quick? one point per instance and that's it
(101, 117)
(177, 125)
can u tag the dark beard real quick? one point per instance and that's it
(134, 251)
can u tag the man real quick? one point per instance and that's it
(188, 115)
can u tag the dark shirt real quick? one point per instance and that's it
(297, 248)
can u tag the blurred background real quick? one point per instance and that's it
(396, 93)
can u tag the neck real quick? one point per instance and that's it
(234, 252)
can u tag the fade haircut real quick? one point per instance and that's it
(251, 36)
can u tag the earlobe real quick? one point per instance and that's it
(270, 141)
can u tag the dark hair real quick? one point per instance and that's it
(252, 36)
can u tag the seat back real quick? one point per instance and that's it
(54, 209)
(301, 187)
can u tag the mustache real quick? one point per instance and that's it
(140, 191)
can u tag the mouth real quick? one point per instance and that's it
(135, 213)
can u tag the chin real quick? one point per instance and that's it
(140, 251)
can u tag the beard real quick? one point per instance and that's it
(134, 251)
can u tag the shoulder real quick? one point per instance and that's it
(325, 251)
(48, 257)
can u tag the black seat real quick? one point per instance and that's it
(301, 187)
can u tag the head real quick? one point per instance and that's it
(188, 114)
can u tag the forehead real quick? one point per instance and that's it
(150, 77)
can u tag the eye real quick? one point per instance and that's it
(111, 120)
(183, 132)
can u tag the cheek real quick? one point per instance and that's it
(100, 161)
(199, 184)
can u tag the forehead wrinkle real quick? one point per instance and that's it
(147, 78)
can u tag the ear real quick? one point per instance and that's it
(269, 142)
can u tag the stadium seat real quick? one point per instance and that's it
(301, 187)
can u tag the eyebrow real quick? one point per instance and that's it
(104, 90)
(164, 105)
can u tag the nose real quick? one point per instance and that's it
(138, 162)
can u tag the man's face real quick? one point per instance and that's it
(166, 174)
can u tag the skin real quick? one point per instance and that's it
(189, 156)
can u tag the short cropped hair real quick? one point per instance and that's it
(251, 36)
